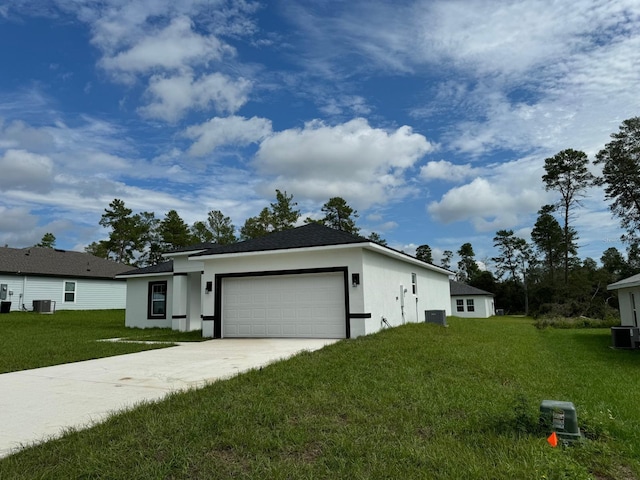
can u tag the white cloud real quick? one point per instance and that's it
(362, 164)
(19, 135)
(172, 48)
(22, 170)
(232, 130)
(171, 97)
(445, 170)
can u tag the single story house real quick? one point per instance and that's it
(628, 299)
(470, 302)
(66, 280)
(310, 281)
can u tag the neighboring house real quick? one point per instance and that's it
(70, 280)
(470, 302)
(628, 300)
(310, 281)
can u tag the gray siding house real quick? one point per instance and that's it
(69, 280)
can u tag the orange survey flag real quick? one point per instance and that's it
(553, 440)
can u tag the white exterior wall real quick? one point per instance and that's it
(381, 280)
(626, 309)
(137, 302)
(377, 294)
(90, 294)
(272, 261)
(483, 306)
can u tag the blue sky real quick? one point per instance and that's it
(431, 118)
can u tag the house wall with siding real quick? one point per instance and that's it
(627, 317)
(90, 294)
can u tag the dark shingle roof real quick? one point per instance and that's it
(458, 289)
(59, 263)
(164, 267)
(310, 235)
(194, 248)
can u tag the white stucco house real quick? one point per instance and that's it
(310, 281)
(64, 280)
(628, 290)
(471, 302)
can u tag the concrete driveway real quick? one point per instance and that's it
(36, 405)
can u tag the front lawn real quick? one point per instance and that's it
(32, 340)
(418, 401)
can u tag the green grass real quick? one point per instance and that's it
(32, 340)
(418, 401)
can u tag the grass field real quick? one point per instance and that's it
(32, 340)
(418, 401)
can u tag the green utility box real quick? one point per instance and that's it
(560, 417)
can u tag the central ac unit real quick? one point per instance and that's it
(625, 337)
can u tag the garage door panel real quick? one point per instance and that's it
(306, 305)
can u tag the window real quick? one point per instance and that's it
(157, 307)
(69, 292)
(414, 283)
(633, 308)
(470, 307)
(460, 305)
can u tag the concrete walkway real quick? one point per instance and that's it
(36, 405)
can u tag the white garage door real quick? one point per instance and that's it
(305, 305)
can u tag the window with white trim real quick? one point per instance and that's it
(69, 292)
(470, 306)
(414, 284)
(460, 305)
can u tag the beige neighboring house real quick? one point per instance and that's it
(59, 280)
(470, 302)
(310, 281)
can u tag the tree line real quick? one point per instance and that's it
(546, 275)
(140, 239)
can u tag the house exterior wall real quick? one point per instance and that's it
(90, 294)
(377, 294)
(382, 280)
(137, 302)
(483, 306)
(626, 306)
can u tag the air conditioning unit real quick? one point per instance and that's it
(625, 337)
(42, 306)
(436, 316)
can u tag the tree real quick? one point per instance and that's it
(275, 218)
(621, 176)
(339, 215)
(613, 262)
(375, 237)
(548, 238)
(217, 229)
(129, 234)
(283, 216)
(514, 254)
(173, 232)
(48, 241)
(467, 266)
(445, 261)
(567, 173)
(423, 252)
(98, 249)
(256, 227)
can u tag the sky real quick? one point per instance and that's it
(431, 118)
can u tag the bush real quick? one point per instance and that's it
(551, 321)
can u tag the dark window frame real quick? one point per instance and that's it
(459, 305)
(150, 301)
(471, 305)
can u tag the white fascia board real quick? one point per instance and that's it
(182, 254)
(406, 258)
(276, 251)
(143, 275)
